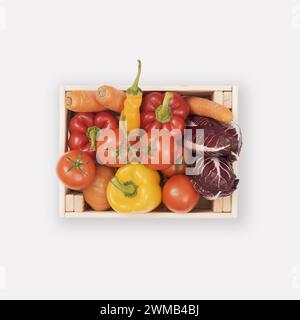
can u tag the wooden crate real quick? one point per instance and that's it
(71, 204)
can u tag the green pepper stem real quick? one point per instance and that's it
(91, 133)
(134, 89)
(164, 113)
(129, 188)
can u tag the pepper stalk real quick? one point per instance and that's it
(92, 135)
(134, 89)
(129, 188)
(164, 113)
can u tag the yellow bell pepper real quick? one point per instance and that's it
(135, 189)
(132, 104)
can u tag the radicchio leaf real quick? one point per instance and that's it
(215, 179)
(220, 139)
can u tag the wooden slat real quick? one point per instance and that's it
(69, 202)
(227, 201)
(226, 207)
(234, 106)
(234, 109)
(78, 202)
(227, 99)
(63, 118)
(158, 88)
(154, 215)
(217, 205)
(62, 148)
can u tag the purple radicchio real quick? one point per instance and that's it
(220, 139)
(216, 178)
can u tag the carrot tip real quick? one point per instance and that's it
(68, 101)
(102, 92)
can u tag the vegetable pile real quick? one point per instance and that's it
(130, 152)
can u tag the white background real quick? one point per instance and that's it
(256, 46)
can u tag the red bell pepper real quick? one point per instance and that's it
(84, 127)
(164, 111)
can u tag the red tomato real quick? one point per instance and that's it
(179, 195)
(76, 169)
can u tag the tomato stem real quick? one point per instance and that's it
(77, 164)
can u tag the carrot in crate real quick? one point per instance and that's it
(207, 108)
(111, 98)
(82, 101)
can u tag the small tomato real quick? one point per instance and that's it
(76, 169)
(179, 194)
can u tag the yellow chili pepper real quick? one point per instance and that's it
(132, 103)
(135, 189)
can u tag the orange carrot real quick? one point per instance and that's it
(207, 108)
(111, 98)
(82, 101)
